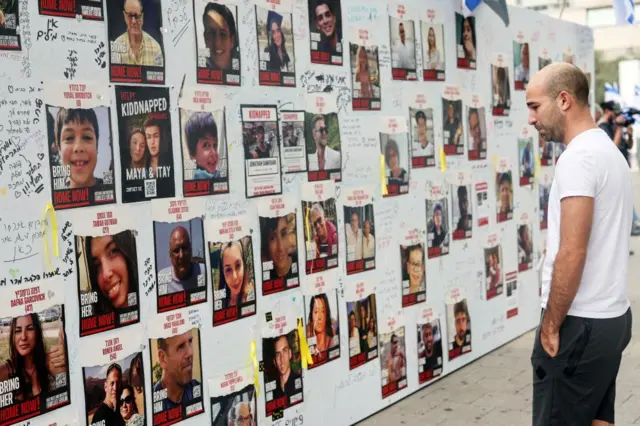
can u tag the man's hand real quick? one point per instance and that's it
(56, 358)
(550, 339)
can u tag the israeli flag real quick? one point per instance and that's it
(623, 9)
(469, 6)
(612, 93)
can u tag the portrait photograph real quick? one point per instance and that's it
(325, 32)
(493, 271)
(504, 196)
(283, 374)
(279, 253)
(403, 48)
(462, 210)
(237, 408)
(501, 91)
(414, 280)
(363, 331)
(276, 54)
(459, 329)
(423, 141)
(393, 361)
(429, 350)
(360, 236)
(433, 52)
(395, 149)
(438, 235)
(466, 53)
(365, 82)
(477, 136)
(320, 235)
(452, 127)
(521, 70)
(322, 327)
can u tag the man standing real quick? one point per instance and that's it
(182, 274)
(288, 383)
(403, 54)
(396, 362)
(136, 47)
(175, 354)
(109, 412)
(354, 238)
(586, 316)
(324, 158)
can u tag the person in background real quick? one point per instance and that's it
(354, 237)
(129, 409)
(368, 242)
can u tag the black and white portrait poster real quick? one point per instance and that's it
(36, 308)
(365, 73)
(320, 222)
(511, 282)
(323, 143)
(402, 33)
(433, 51)
(493, 266)
(10, 38)
(276, 52)
(477, 128)
(181, 271)
(136, 46)
(422, 127)
(80, 146)
(91, 10)
(232, 398)
(232, 268)
(217, 42)
(362, 323)
(394, 146)
(504, 190)
(279, 265)
(466, 42)
(413, 261)
(393, 358)
(113, 380)
(146, 152)
(107, 268)
(263, 174)
(521, 62)
(452, 126)
(525, 243)
(500, 86)
(461, 204)
(293, 139)
(325, 32)
(526, 159)
(360, 229)
(176, 363)
(458, 323)
(203, 133)
(438, 228)
(429, 346)
(322, 319)
(482, 202)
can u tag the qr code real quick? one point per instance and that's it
(132, 299)
(61, 380)
(196, 391)
(150, 188)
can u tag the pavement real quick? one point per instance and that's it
(497, 388)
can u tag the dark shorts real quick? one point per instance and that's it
(579, 384)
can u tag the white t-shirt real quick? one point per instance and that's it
(592, 166)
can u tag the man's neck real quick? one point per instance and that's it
(320, 150)
(109, 403)
(135, 41)
(283, 380)
(459, 341)
(428, 353)
(579, 125)
(174, 391)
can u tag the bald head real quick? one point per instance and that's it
(560, 76)
(180, 252)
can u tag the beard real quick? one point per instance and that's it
(553, 128)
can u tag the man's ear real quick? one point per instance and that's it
(162, 358)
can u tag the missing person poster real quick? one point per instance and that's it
(232, 268)
(323, 144)
(458, 323)
(217, 42)
(91, 10)
(10, 38)
(146, 152)
(178, 234)
(293, 140)
(521, 70)
(320, 221)
(493, 266)
(176, 382)
(280, 267)
(559, 149)
(402, 33)
(483, 204)
(363, 323)
(365, 74)
(107, 268)
(466, 42)
(114, 382)
(437, 208)
(136, 46)
(276, 52)
(263, 174)
(546, 150)
(477, 125)
(544, 59)
(525, 156)
(525, 243)
(500, 86)
(232, 398)
(429, 345)
(394, 146)
(282, 360)
(325, 32)
(322, 319)
(423, 140)
(413, 264)
(504, 190)
(393, 359)
(37, 308)
(203, 132)
(433, 51)
(511, 279)
(79, 142)
(544, 190)
(452, 132)
(461, 207)
(360, 229)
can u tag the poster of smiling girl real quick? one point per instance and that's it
(204, 143)
(79, 142)
(276, 51)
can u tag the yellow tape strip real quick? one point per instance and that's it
(304, 347)
(256, 370)
(383, 178)
(536, 170)
(306, 222)
(443, 160)
(54, 233)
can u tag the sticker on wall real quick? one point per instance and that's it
(107, 268)
(232, 268)
(394, 146)
(544, 190)
(146, 151)
(323, 144)
(325, 32)
(91, 10)
(363, 323)
(263, 174)
(452, 129)
(437, 208)
(500, 86)
(275, 41)
(429, 345)
(293, 141)
(365, 73)
(80, 148)
(217, 42)
(466, 42)
(412, 261)
(393, 359)
(322, 318)
(360, 229)
(504, 190)
(203, 135)
(423, 140)
(477, 125)
(493, 267)
(461, 205)
(482, 204)
(402, 33)
(232, 398)
(521, 69)
(181, 270)
(511, 279)
(458, 323)
(278, 244)
(525, 243)
(320, 219)
(433, 51)
(525, 156)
